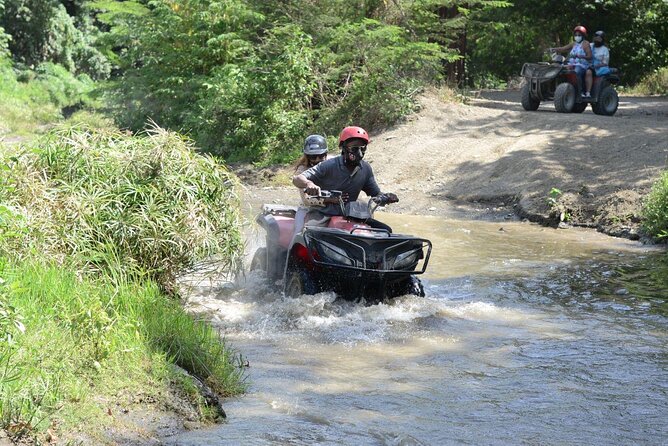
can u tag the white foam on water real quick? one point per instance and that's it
(256, 309)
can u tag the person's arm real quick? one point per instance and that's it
(303, 183)
(605, 58)
(587, 49)
(371, 188)
(563, 49)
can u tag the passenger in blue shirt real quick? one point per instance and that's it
(600, 58)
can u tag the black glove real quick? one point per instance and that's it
(387, 198)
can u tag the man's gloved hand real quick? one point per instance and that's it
(386, 198)
(312, 189)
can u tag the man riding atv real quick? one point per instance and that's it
(348, 173)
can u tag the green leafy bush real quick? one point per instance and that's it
(33, 99)
(374, 72)
(249, 85)
(122, 204)
(655, 209)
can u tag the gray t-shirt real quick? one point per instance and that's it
(333, 174)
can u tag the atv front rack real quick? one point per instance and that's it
(382, 255)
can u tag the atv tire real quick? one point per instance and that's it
(299, 282)
(411, 286)
(608, 102)
(529, 103)
(579, 107)
(259, 262)
(564, 98)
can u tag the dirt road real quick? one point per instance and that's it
(491, 156)
(492, 151)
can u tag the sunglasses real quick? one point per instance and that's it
(352, 148)
(316, 157)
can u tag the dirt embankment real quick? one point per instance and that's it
(490, 153)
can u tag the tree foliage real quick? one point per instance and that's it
(44, 31)
(636, 32)
(249, 79)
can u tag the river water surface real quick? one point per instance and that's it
(527, 335)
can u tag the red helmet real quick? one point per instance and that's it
(353, 132)
(580, 29)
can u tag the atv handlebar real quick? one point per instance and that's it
(336, 197)
(385, 198)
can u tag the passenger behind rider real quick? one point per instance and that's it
(347, 173)
(600, 58)
(579, 56)
(314, 152)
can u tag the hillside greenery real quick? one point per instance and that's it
(247, 79)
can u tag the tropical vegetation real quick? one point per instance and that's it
(98, 216)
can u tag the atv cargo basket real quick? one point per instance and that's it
(540, 71)
(392, 254)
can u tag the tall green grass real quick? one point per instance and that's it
(127, 206)
(70, 348)
(655, 83)
(95, 224)
(655, 209)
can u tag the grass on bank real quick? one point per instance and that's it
(94, 227)
(655, 209)
(655, 83)
(71, 348)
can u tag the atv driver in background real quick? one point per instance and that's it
(579, 57)
(315, 151)
(348, 173)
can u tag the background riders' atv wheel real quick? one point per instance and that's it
(579, 107)
(607, 103)
(564, 98)
(529, 103)
(299, 282)
(259, 262)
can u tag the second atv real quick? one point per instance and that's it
(555, 81)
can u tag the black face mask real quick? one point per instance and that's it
(352, 156)
(598, 43)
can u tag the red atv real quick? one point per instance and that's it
(546, 81)
(344, 254)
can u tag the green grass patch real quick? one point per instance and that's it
(655, 209)
(72, 347)
(32, 100)
(126, 206)
(656, 83)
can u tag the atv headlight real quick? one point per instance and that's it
(334, 253)
(406, 259)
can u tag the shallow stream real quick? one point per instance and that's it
(527, 335)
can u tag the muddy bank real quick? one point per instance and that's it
(491, 158)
